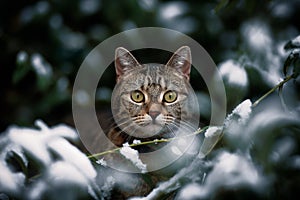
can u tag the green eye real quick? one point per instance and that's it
(170, 96)
(137, 96)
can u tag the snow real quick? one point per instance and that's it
(296, 41)
(212, 136)
(282, 10)
(102, 162)
(232, 170)
(257, 35)
(190, 191)
(136, 141)
(22, 57)
(73, 156)
(59, 161)
(31, 141)
(63, 171)
(10, 181)
(242, 111)
(12, 148)
(171, 10)
(39, 142)
(109, 183)
(213, 131)
(40, 66)
(38, 188)
(192, 172)
(133, 156)
(36, 141)
(126, 144)
(283, 149)
(233, 73)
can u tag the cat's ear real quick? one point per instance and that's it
(124, 61)
(181, 60)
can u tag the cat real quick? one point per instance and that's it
(149, 101)
(152, 101)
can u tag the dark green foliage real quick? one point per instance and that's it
(63, 32)
(259, 37)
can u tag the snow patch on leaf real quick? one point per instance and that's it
(63, 171)
(10, 181)
(72, 155)
(191, 191)
(233, 170)
(234, 73)
(36, 142)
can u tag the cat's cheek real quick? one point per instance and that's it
(174, 110)
(160, 120)
(131, 108)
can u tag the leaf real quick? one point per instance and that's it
(43, 71)
(293, 44)
(17, 161)
(23, 67)
(293, 61)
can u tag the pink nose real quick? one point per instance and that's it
(154, 114)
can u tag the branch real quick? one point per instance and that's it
(200, 130)
(286, 79)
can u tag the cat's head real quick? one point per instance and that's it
(154, 99)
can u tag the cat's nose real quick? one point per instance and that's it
(154, 114)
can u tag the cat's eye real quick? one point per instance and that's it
(170, 96)
(137, 96)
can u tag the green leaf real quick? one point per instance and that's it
(23, 67)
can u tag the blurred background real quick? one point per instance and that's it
(43, 44)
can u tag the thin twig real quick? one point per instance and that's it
(286, 79)
(200, 130)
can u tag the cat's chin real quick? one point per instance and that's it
(147, 131)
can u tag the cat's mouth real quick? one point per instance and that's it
(148, 126)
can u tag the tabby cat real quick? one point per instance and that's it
(149, 101)
(152, 100)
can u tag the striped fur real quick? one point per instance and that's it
(154, 117)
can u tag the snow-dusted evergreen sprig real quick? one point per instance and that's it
(59, 161)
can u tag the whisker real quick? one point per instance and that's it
(179, 126)
(118, 133)
(172, 132)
